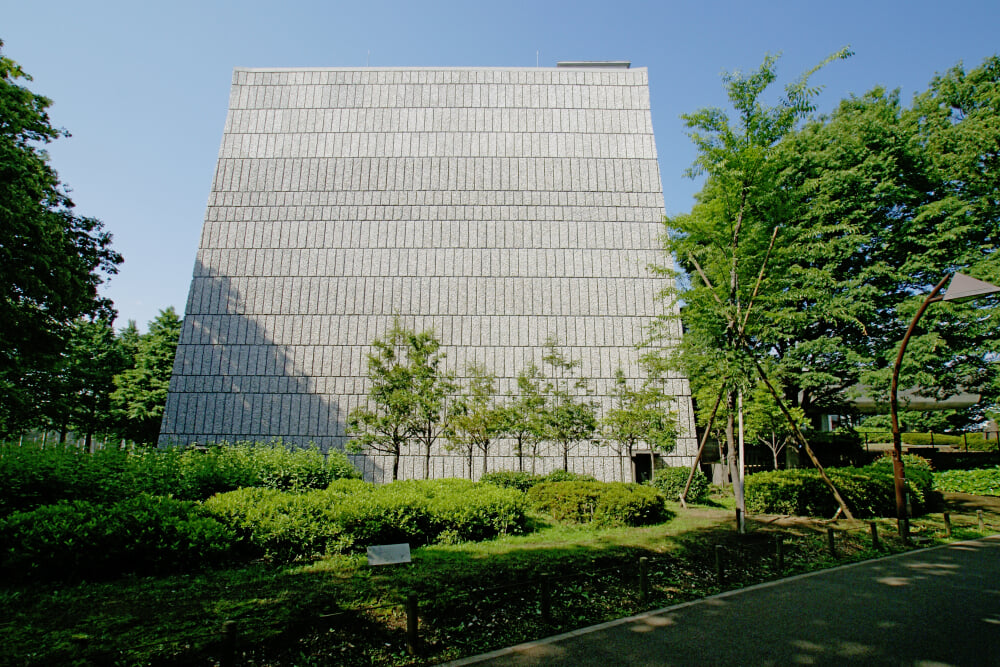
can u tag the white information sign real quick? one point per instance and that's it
(388, 554)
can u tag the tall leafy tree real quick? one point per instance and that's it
(726, 239)
(51, 260)
(140, 394)
(569, 415)
(888, 199)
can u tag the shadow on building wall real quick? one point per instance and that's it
(234, 379)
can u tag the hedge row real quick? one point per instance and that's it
(671, 481)
(522, 481)
(868, 491)
(601, 503)
(83, 540)
(34, 476)
(351, 515)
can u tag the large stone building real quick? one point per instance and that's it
(499, 207)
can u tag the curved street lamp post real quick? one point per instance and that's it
(961, 287)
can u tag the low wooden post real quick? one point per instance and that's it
(412, 625)
(779, 552)
(904, 530)
(947, 524)
(873, 527)
(831, 541)
(644, 579)
(982, 525)
(229, 640)
(546, 595)
(719, 572)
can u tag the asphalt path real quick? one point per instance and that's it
(931, 607)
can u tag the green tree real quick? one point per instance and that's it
(569, 417)
(51, 260)
(766, 424)
(81, 383)
(406, 396)
(432, 387)
(639, 416)
(524, 416)
(141, 389)
(476, 420)
(726, 239)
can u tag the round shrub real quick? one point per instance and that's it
(567, 476)
(83, 540)
(671, 481)
(511, 479)
(603, 503)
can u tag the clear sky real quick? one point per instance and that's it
(143, 86)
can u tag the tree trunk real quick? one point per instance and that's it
(395, 465)
(565, 457)
(520, 454)
(484, 460)
(427, 462)
(89, 442)
(731, 455)
(652, 464)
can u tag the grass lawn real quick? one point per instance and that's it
(473, 597)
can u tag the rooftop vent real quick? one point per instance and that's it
(596, 64)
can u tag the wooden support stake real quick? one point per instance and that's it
(412, 625)
(546, 605)
(779, 552)
(904, 530)
(982, 526)
(874, 530)
(719, 572)
(644, 579)
(947, 524)
(229, 640)
(831, 540)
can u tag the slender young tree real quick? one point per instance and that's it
(387, 423)
(476, 420)
(569, 416)
(432, 387)
(524, 416)
(639, 416)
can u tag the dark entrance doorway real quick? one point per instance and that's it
(642, 466)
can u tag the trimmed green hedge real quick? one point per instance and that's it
(83, 540)
(982, 482)
(33, 476)
(351, 515)
(868, 491)
(602, 503)
(671, 481)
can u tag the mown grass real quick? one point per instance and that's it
(473, 597)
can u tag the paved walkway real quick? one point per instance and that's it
(932, 607)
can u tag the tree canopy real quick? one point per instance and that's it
(51, 260)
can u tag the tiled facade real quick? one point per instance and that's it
(497, 206)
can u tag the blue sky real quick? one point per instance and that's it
(143, 86)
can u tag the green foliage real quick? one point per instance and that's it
(671, 481)
(983, 482)
(51, 260)
(475, 419)
(511, 479)
(868, 491)
(406, 396)
(350, 515)
(605, 504)
(639, 415)
(567, 476)
(85, 540)
(568, 417)
(34, 476)
(140, 393)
